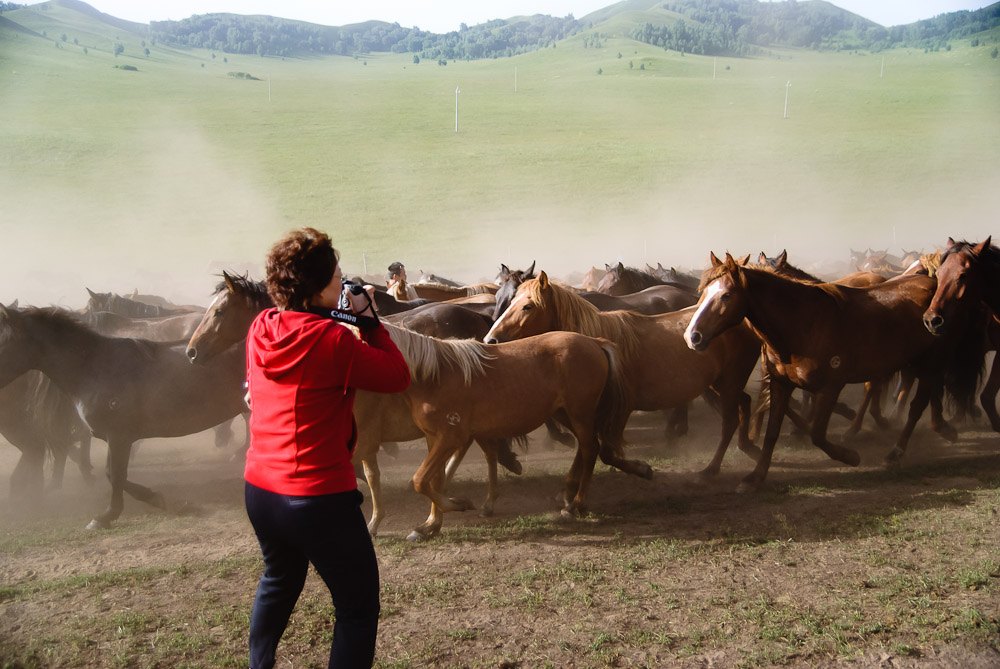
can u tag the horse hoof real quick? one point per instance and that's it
(747, 486)
(158, 500)
(97, 524)
(569, 513)
(851, 457)
(893, 457)
(414, 537)
(949, 433)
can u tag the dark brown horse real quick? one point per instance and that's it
(822, 337)
(134, 308)
(660, 371)
(124, 389)
(969, 274)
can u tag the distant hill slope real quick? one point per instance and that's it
(711, 27)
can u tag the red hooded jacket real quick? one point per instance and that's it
(302, 371)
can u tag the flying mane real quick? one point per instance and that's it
(427, 355)
(253, 293)
(578, 315)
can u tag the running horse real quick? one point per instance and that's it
(821, 337)
(124, 389)
(466, 390)
(660, 371)
(967, 275)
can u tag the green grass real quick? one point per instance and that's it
(206, 168)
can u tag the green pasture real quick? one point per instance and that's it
(158, 177)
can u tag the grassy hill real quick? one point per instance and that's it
(158, 177)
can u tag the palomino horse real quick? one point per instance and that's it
(124, 389)
(660, 371)
(824, 336)
(465, 390)
(968, 274)
(381, 418)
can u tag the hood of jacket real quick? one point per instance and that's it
(283, 338)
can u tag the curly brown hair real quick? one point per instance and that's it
(299, 266)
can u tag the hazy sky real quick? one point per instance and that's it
(445, 15)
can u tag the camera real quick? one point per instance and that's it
(349, 287)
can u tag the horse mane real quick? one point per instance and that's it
(578, 315)
(712, 273)
(931, 262)
(480, 289)
(427, 355)
(253, 293)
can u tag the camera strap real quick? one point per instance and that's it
(362, 322)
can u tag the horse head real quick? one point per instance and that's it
(722, 303)
(238, 300)
(509, 281)
(959, 281)
(529, 312)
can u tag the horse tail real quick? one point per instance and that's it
(614, 408)
(966, 363)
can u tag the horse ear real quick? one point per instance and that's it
(783, 257)
(620, 267)
(744, 260)
(543, 280)
(531, 270)
(713, 259)
(504, 270)
(761, 258)
(229, 280)
(607, 267)
(660, 266)
(91, 293)
(951, 242)
(13, 305)
(982, 246)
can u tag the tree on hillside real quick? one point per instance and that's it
(119, 48)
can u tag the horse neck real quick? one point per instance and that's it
(990, 272)
(581, 316)
(777, 307)
(64, 351)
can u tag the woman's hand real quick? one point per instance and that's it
(362, 305)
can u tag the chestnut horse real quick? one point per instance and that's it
(660, 371)
(821, 337)
(968, 274)
(466, 390)
(123, 389)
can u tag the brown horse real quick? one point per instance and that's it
(822, 337)
(381, 418)
(465, 390)
(439, 292)
(968, 274)
(660, 371)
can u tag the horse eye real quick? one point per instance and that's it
(528, 307)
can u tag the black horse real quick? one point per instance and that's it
(124, 389)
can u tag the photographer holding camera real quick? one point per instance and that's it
(301, 493)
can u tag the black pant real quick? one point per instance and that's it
(330, 532)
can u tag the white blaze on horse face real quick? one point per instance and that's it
(711, 292)
(520, 298)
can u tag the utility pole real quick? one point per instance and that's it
(787, 86)
(456, 107)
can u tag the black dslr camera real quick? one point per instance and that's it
(344, 313)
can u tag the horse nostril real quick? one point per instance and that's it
(492, 340)
(695, 338)
(192, 353)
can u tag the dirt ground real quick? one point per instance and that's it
(827, 565)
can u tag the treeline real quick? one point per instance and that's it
(743, 27)
(9, 7)
(268, 35)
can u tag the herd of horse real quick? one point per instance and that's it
(492, 362)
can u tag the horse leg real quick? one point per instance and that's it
(780, 391)
(453, 462)
(938, 423)
(859, 417)
(902, 394)
(373, 475)
(730, 421)
(223, 434)
(744, 442)
(490, 449)
(581, 472)
(28, 478)
(119, 452)
(429, 481)
(59, 455)
(920, 400)
(677, 422)
(555, 433)
(826, 400)
(988, 397)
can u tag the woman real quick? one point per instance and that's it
(301, 492)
